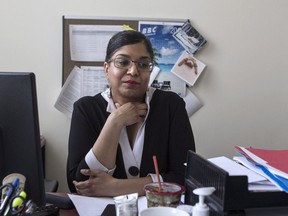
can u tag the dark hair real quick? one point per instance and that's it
(127, 37)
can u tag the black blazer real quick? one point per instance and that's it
(168, 135)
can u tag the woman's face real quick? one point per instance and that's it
(128, 84)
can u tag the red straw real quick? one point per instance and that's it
(157, 171)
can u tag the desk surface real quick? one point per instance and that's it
(269, 212)
(68, 212)
(249, 212)
(254, 212)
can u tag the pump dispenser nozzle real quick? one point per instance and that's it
(200, 208)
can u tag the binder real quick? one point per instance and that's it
(231, 196)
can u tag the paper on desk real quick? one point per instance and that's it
(94, 206)
(269, 185)
(235, 169)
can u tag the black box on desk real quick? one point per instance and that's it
(231, 196)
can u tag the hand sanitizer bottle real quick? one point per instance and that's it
(200, 208)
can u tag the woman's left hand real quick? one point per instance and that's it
(99, 183)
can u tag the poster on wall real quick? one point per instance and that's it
(166, 48)
(167, 51)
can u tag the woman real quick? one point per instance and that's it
(115, 134)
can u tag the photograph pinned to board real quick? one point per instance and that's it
(189, 38)
(188, 68)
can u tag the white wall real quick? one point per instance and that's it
(243, 88)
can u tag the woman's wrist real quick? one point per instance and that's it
(115, 120)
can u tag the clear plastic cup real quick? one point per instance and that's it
(126, 205)
(170, 195)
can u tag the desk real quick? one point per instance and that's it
(68, 212)
(283, 211)
(251, 212)
(269, 212)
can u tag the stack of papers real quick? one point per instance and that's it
(272, 164)
(256, 182)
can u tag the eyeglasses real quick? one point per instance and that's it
(144, 65)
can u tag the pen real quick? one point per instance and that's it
(9, 194)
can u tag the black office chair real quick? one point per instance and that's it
(50, 185)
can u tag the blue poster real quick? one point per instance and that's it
(166, 48)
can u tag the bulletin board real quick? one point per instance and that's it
(68, 63)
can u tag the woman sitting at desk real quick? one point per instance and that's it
(115, 134)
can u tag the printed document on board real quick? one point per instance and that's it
(89, 42)
(84, 81)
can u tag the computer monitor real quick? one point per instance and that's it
(20, 145)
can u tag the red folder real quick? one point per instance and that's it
(277, 159)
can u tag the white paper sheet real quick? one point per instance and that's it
(192, 102)
(81, 82)
(93, 81)
(94, 206)
(70, 92)
(89, 42)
